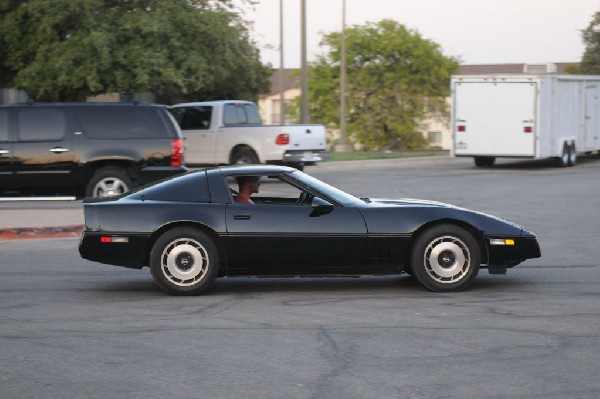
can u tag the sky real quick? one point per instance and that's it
(475, 31)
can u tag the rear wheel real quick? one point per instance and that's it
(445, 258)
(108, 182)
(184, 261)
(572, 154)
(563, 160)
(242, 157)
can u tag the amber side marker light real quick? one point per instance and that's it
(502, 241)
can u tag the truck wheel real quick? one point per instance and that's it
(445, 258)
(484, 161)
(108, 182)
(244, 157)
(563, 160)
(299, 166)
(184, 261)
(572, 154)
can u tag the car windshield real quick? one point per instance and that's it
(335, 194)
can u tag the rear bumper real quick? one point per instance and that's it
(299, 156)
(152, 173)
(132, 253)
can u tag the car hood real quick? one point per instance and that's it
(409, 202)
(467, 214)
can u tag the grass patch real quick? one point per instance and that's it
(362, 155)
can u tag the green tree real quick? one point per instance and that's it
(590, 63)
(395, 78)
(60, 50)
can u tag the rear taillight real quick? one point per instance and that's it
(177, 152)
(282, 139)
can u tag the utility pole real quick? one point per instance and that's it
(304, 74)
(343, 81)
(281, 69)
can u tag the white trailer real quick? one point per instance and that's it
(525, 116)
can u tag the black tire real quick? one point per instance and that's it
(484, 161)
(108, 182)
(184, 261)
(244, 157)
(563, 160)
(572, 155)
(299, 166)
(445, 258)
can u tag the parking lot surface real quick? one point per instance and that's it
(72, 328)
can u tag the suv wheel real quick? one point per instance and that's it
(108, 182)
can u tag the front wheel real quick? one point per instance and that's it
(445, 258)
(184, 261)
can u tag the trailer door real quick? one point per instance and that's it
(494, 118)
(591, 141)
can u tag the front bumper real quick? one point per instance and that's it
(299, 156)
(513, 251)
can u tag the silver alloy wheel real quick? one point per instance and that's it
(184, 262)
(447, 259)
(110, 187)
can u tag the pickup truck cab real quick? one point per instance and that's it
(232, 132)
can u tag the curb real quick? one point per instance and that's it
(40, 232)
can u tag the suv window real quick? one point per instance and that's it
(41, 124)
(3, 125)
(195, 118)
(121, 122)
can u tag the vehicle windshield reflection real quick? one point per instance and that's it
(335, 194)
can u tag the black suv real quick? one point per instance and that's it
(98, 149)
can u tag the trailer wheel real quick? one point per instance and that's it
(563, 160)
(484, 161)
(572, 154)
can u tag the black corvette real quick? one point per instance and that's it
(189, 230)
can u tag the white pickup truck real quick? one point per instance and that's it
(231, 132)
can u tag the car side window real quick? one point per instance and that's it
(3, 125)
(196, 118)
(252, 114)
(230, 116)
(121, 122)
(41, 124)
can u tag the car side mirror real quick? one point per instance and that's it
(320, 207)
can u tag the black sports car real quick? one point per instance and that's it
(191, 229)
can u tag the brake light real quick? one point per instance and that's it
(461, 128)
(527, 129)
(177, 152)
(282, 139)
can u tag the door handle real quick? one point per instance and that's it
(4, 152)
(58, 150)
(241, 216)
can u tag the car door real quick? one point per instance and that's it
(43, 154)
(199, 135)
(290, 239)
(6, 151)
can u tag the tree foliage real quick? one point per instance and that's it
(395, 78)
(70, 49)
(590, 63)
